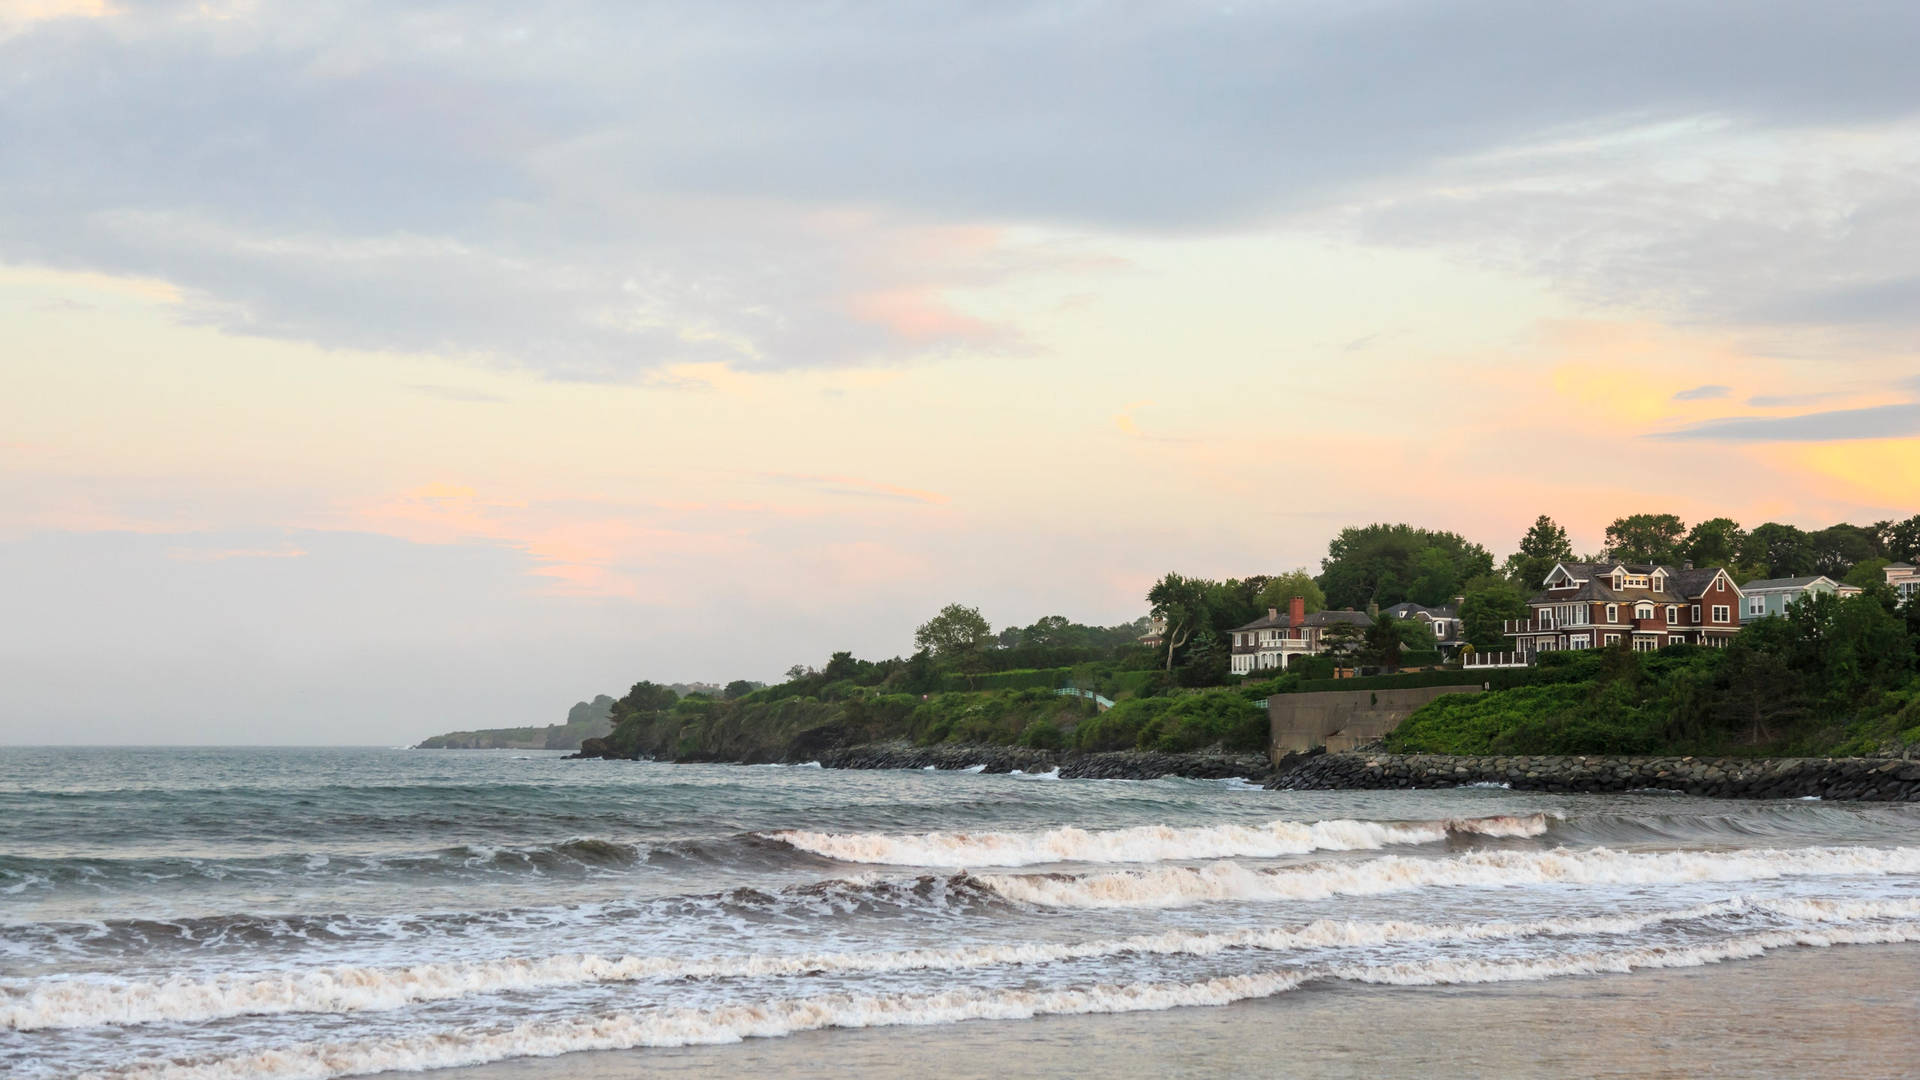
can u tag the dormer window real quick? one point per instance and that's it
(1643, 611)
(1619, 580)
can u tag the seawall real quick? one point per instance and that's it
(1345, 719)
(1865, 779)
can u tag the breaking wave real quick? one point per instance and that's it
(1153, 843)
(70, 1004)
(1181, 886)
(732, 1023)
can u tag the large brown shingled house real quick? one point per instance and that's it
(1589, 605)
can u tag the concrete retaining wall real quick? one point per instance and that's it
(1344, 719)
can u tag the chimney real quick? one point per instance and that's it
(1273, 613)
(1688, 565)
(1297, 616)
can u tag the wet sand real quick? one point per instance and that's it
(1837, 1012)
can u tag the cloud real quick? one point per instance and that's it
(1716, 220)
(1779, 401)
(1703, 393)
(760, 186)
(456, 393)
(1879, 422)
(857, 488)
(190, 554)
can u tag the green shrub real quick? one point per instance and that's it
(1043, 735)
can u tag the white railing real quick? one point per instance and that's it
(1496, 659)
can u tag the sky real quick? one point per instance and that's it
(370, 370)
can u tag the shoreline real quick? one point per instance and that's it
(1885, 779)
(1839, 779)
(1849, 1010)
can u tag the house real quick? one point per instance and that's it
(1590, 605)
(1444, 621)
(1275, 639)
(1903, 579)
(1771, 596)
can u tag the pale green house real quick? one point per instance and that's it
(1770, 596)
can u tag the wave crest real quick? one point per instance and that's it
(1149, 843)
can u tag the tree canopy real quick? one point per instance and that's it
(1544, 545)
(1279, 590)
(1646, 538)
(1387, 564)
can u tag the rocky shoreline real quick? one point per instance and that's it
(1863, 779)
(1872, 779)
(1072, 765)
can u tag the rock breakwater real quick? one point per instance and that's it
(1071, 765)
(1114, 765)
(1865, 779)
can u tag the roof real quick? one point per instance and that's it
(1784, 583)
(1408, 609)
(1328, 618)
(1276, 621)
(1682, 583)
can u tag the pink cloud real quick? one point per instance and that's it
(919, 315)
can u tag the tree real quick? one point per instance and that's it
(1343, 641)
(1544, 545)
(1715, 542)
(1838, 547)
(956, 633)
(1181, 602)
(1778, 551)
(1386, 564)
(646, 697)
(841, 665)
(1900, 540)
(1278, 591)
(739, 688)
(1868, 574)
(1489, 603)
(1645, 538)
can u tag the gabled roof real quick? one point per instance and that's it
(1408, 610)
(1278, 621)
(1784, 583)
(1269, 621)
(1683, 585)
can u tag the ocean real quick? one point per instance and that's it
(190, 913)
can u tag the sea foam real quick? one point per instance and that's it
(1178, 886)
(1147, 843)
(93, 1003)
(732, 1023)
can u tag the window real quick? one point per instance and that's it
(1756, 605)
(1722, 613)
(1643, 611)
(1613, 613)
(1579, 641)
(1696, 614)
(1612, 639)
(1644, 644)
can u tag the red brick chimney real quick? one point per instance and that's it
(1297, 618)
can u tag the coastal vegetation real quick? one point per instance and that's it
(586, 720)
(1837, 675)
(1834, 676)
